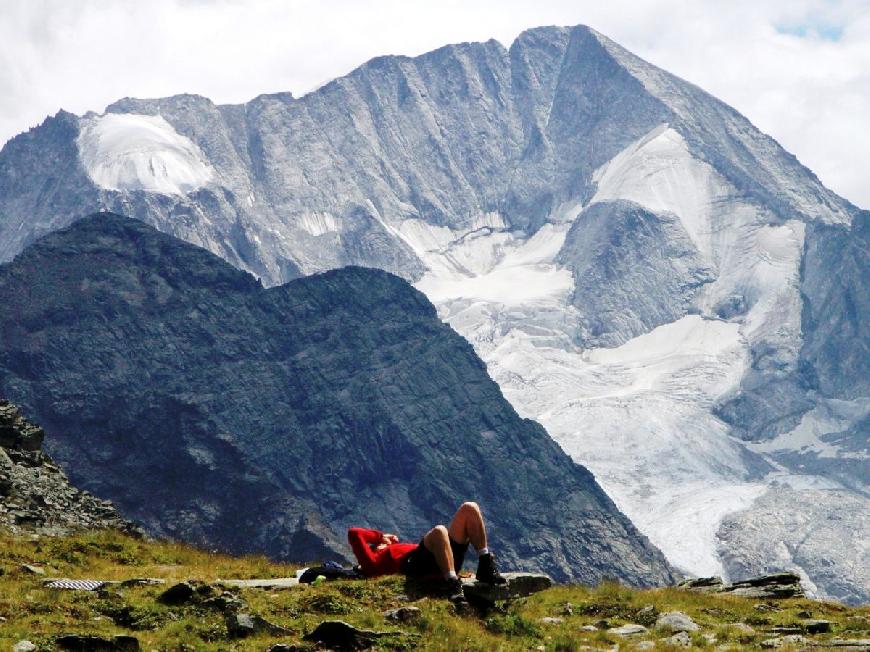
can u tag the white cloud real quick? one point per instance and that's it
(800, 70)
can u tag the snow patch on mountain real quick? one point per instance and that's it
(126, 151)
(658, 172)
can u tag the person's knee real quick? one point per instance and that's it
(438, 533)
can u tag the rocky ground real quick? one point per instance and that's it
(35, 494)
(162, 596)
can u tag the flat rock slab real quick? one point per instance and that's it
(629, 629)
(775, 586)
(518, 585)
(274, 583)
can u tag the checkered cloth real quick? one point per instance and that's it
(76, 585)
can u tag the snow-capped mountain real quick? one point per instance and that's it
(671, 294)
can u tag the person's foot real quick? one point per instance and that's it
(487, 571)
(452, 589)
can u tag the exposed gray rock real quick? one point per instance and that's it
(629, 629)
(633, 270)
(852, 644)
(33, 570)
(676, 621)
(241, 625)
(403, 614)
(552, 620)
(773, 586)
(24, 646)
(517, 585)
(35, 494)
(680, 639)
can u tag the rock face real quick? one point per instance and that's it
(640, 268)
(35, 494)
(214, 410)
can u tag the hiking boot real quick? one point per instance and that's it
(452, 589)
(487, 571)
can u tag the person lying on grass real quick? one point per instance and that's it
(438, 555)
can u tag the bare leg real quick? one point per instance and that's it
(437, 542)
(467, 526)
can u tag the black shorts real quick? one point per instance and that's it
(421, 562)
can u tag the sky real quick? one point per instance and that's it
(798, 69)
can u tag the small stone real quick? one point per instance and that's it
(23, 646)
(780, 641)
(588, 628)
(33, 570)
(676, 621)
(629, 629)
(552, 620)
(816, 626)
(568, 609)
(338, 635)
(710, 638)
(403, 615)
(644, 645)
(177, 594)
(240, 625)
(680, 639)
(804, 614)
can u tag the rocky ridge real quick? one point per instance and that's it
(35, 494)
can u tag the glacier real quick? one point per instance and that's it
(141, 152)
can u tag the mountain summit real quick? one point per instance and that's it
(678, 301)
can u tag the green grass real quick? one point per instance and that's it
(38, 614)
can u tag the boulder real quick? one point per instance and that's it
(23, 646)
(177, 594)
(517, 585)
(338, 635)
(33, 570)
(775, 586)
(676, 621)
(552, 620)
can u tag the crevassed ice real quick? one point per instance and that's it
(127, 151)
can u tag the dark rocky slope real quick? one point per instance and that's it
(212, 409)
(35, 494)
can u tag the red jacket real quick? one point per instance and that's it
(386, 561)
